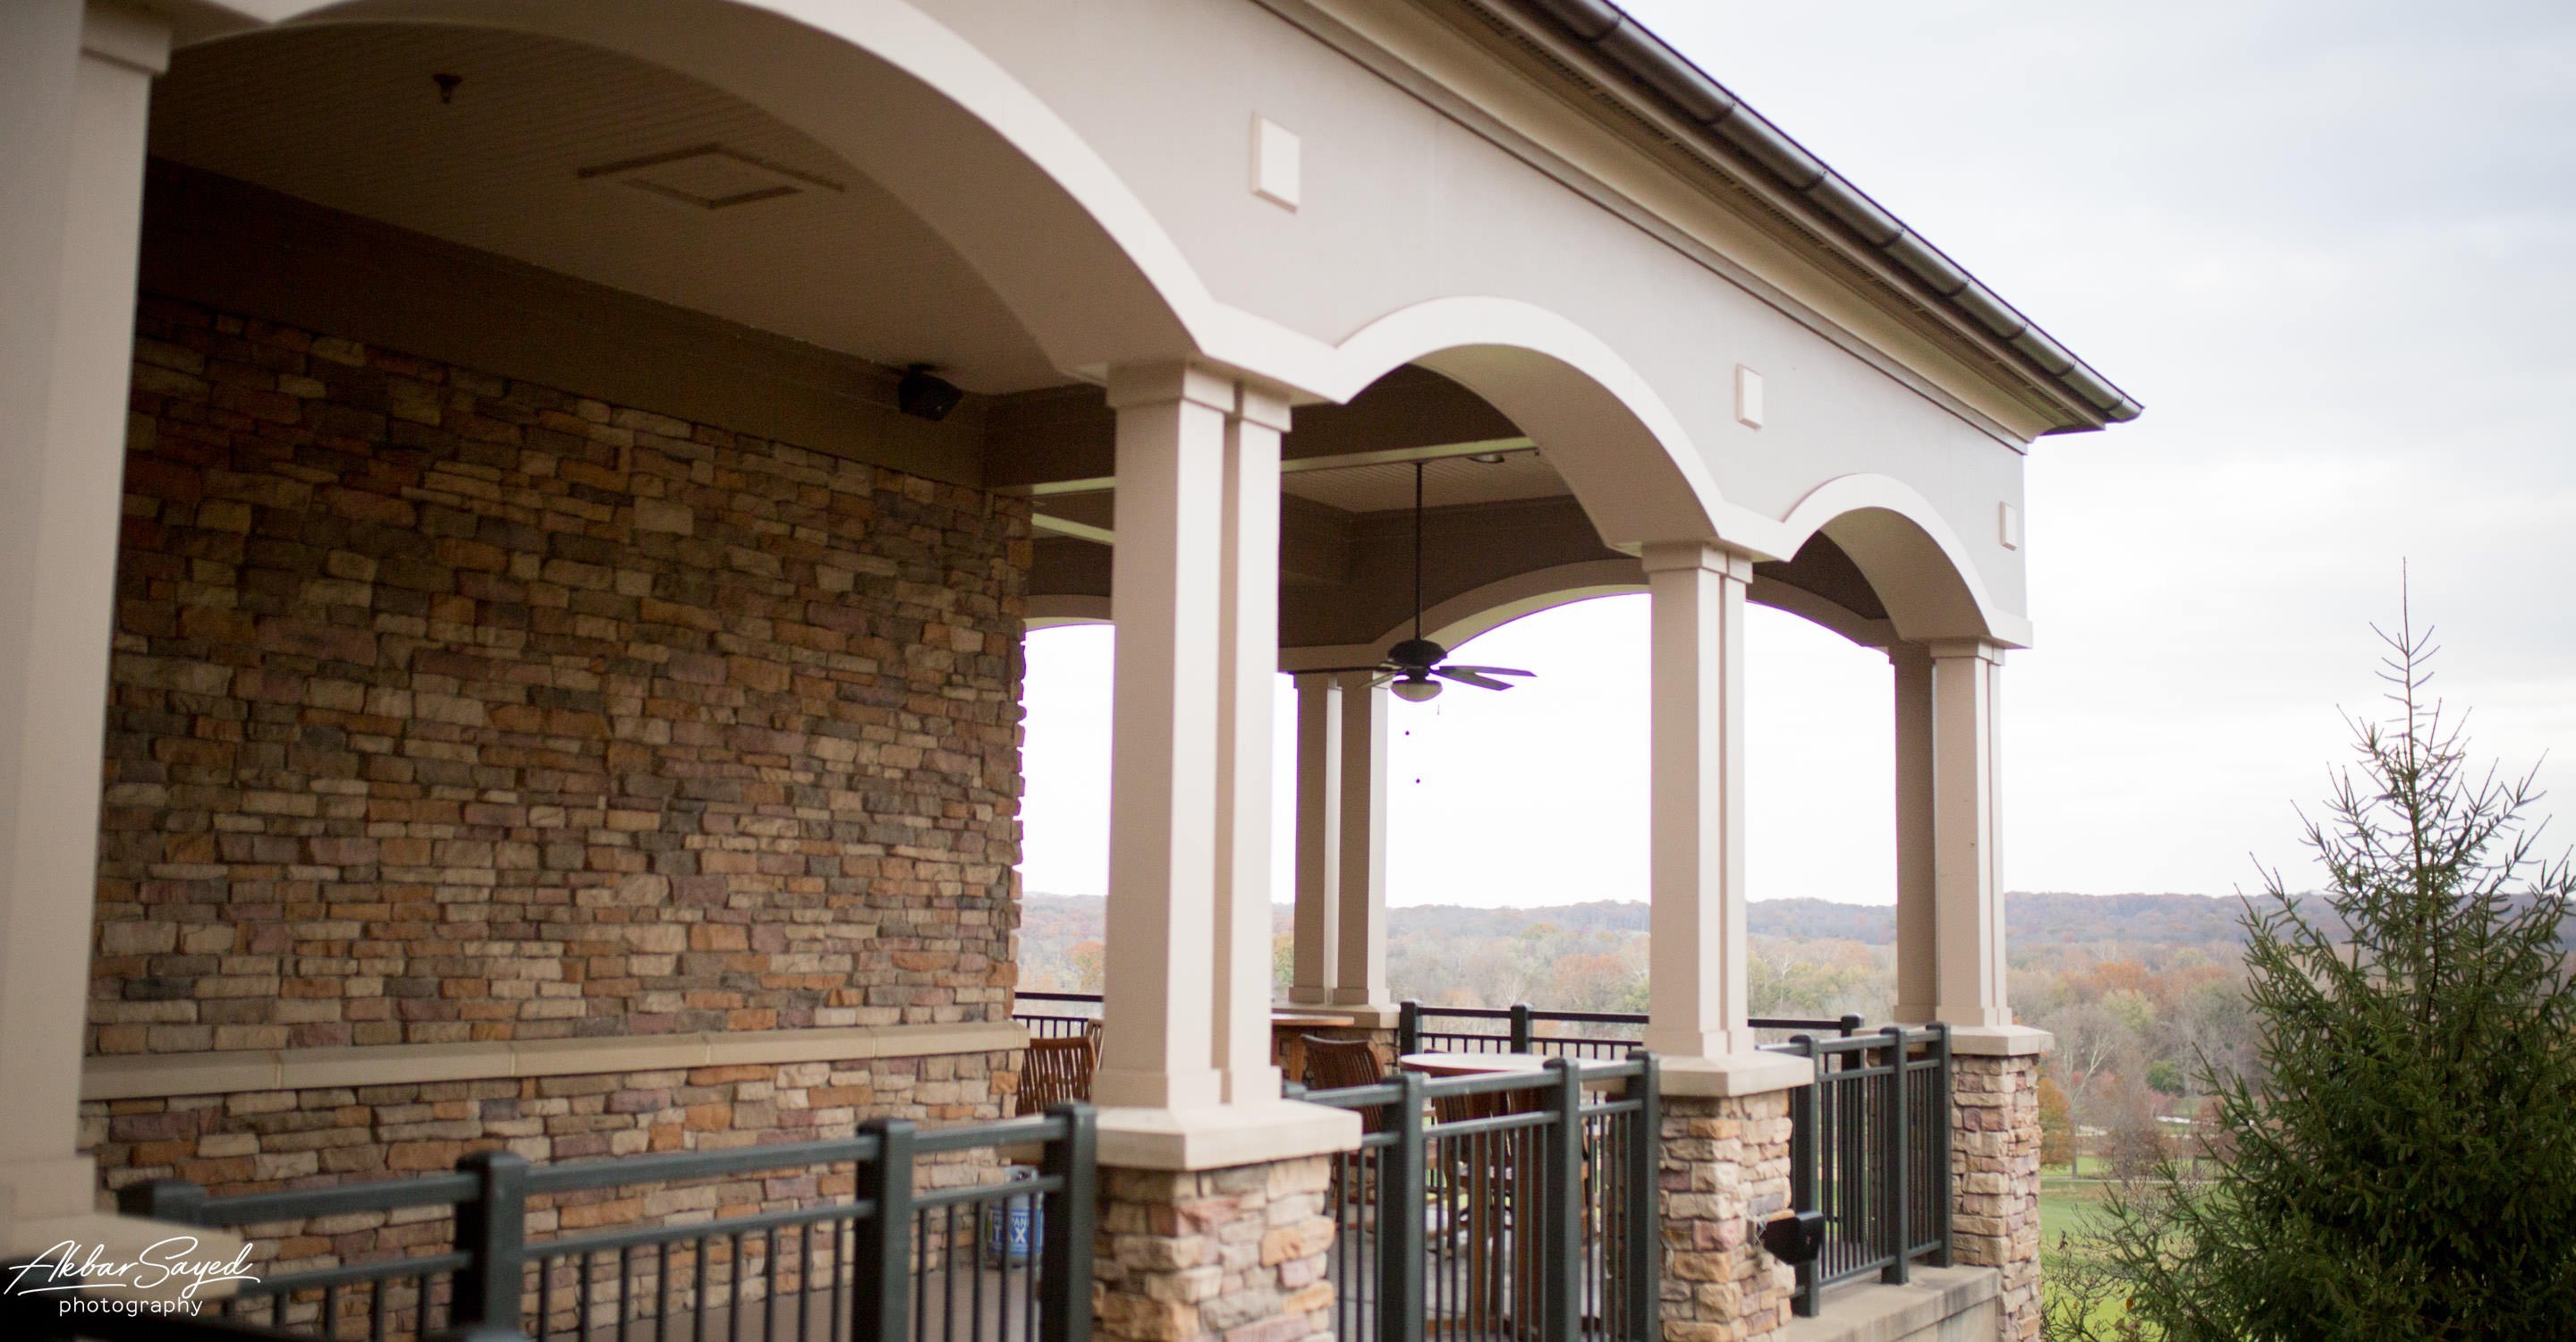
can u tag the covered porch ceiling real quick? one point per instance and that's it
(475, 161)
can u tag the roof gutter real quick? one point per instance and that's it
(1629, 46)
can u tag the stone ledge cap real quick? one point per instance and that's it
(1223, 1136)
(1754, 1073)
(1876, 1312)
(1999, 1041)
(154, 1075)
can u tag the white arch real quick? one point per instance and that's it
(1597, 420)
(937, 122)
(1913, 560)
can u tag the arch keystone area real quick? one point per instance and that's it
(1619, 447)
(1919, 567)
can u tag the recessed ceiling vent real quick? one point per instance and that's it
(709, 176)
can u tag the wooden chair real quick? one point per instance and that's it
(1479, 1179)
(1055, 1071)
(1332, 1064)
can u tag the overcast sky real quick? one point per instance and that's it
(2332, 248)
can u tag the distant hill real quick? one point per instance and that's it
(2032, 917)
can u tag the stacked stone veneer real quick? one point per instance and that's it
(447, 707)
(1994, 1159)
(1725, 1170)
(1237, 1254)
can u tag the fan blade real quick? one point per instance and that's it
(1464, 676)
(1488, 670)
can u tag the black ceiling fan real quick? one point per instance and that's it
(1411, 664)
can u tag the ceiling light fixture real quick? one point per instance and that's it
(1486, 458)
(923, 396)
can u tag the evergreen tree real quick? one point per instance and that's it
(2406, 1166)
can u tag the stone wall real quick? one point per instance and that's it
(451, 708)
(1994, 1159)
(1725, 1170)
(1237, 1254)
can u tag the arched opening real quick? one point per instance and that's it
(518, 412)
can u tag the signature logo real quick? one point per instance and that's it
(70, 1267)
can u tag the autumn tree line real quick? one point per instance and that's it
(2134, 987)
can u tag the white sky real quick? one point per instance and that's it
(2331, 246)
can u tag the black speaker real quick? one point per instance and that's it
(1795, 1238)
(925, 397)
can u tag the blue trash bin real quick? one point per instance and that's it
(1017, 1234)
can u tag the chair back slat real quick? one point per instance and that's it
(1332, 1064)
(1055, 1071)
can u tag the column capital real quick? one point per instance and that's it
(1903, 654)
(1705, 556)
(1164, 381)
(1262, 404)
(1984, 650)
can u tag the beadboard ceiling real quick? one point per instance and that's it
(597, 166)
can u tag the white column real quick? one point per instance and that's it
(1319, 840)
(1967, 884)
(75, 86)
(1917, 978)
(1159, 996)
(1697, 964)
(1194, 593)
(1360, 980)
(1248, 662)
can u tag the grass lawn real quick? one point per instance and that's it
(2067, 1205)
(2064, 1205)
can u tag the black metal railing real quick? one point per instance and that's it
(1070, 1013)
(1601, 1036)
(1516, 1206)
(1564, 1034)
(829, 1240)
(1869, 1148)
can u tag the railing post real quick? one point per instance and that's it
(1400, 1192)
(492, 1233)
(1900, 1228)
(1408, 1028)
(1522, 1033)
(1561, 1204)
(1805, 1193)
(1942, 1175)
(1850, 1025)
(1645, 1215)
(883, 1250)
(1064, 1264)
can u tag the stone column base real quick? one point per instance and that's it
(1235, 1254)
(1994, 1165)
(1725, 1171)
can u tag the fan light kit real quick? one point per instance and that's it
(1412, 663)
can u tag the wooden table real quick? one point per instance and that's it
(1288, 1030)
